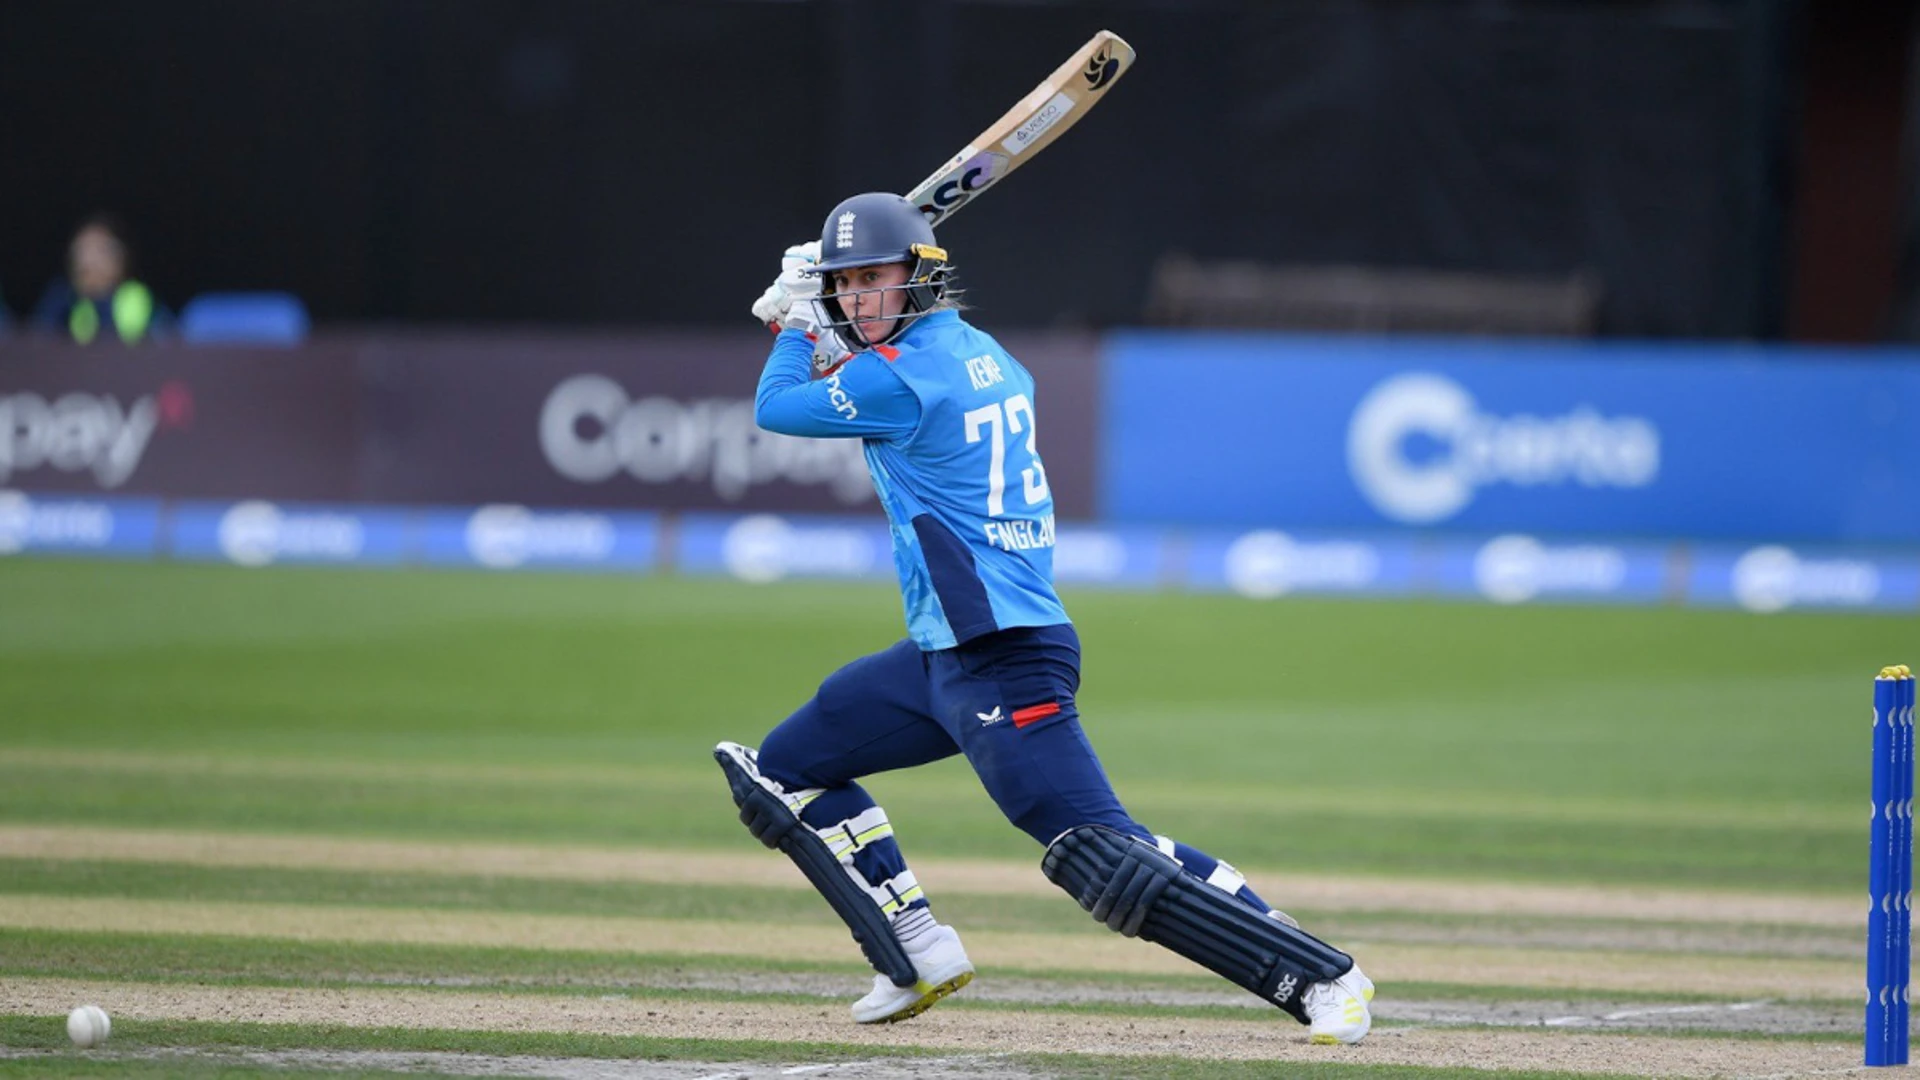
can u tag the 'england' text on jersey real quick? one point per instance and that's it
(1021, 534)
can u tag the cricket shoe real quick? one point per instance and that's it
(1338, 1008)
(943, 967)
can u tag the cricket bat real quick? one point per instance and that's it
(1054, 106)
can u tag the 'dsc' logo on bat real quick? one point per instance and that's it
(1101, 68)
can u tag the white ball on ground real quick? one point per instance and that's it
(88, 1026)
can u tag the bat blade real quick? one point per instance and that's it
(1017, 137)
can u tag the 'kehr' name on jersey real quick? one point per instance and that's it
(984, 372)
(1021, 534)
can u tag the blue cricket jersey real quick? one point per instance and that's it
(947, 419)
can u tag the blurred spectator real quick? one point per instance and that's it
(99, 299)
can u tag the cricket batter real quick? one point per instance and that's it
(991, 662)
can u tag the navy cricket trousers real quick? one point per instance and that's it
(1006, 701)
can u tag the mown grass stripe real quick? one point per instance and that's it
(37, 1030)
(755, 869)
(1593, 970)
(1052, 913)
(949, 784)
(683, 979)
(530, 896)
(214, 1046)
(1323, 839)
(174, 1065)
(1264, 1039)
(215, 958)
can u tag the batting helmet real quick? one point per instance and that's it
(876, 228)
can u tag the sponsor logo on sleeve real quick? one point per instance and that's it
(841, 401)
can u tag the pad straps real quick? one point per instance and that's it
(1137, 890)
(766, 813)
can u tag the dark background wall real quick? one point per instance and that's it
(1906, 316)
(1850, 176)
(642, 163)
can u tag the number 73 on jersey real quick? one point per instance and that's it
(995, 423)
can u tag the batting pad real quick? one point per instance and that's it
(1138, 891)
(768, 817)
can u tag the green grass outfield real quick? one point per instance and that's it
(1549, 745)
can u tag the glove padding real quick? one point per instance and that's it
(829, 352)
(795, 283)
(792, 302)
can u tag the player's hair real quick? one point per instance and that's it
(951, 300)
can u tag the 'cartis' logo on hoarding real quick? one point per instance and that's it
(81, 432)
(259, 533)
(69, 524)
(591, 431)
(1267, 564)
(1774, 578)
(1516, 568)
(504, 536)
(1419, 448)
(766, 548)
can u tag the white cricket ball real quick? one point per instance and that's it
(88, 1026)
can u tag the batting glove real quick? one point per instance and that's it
(794, 284)
(829, 352)
(792, 302)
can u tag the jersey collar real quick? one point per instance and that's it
(925, 323)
